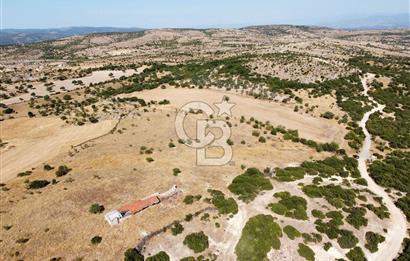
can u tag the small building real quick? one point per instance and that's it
(116, 216)
(113, 217)
(139, 205)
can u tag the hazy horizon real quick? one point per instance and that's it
(46, 14)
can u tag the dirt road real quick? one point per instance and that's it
(398, 226)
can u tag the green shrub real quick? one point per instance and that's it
(291, 232)
(290, 206)
(197, 242)
(381, 211)
(289, 174)
(37, 184)
(394, 172)
(149, 159)
(161, 256)
(92, 119)
(47, 167)
(62, 171)
(404, 204)
(22, 240)
(176, 171)
(96, 208)
(260, 234)
(188, 217)
(189, 258)
(318, 214)
(8, 111)
(327, 246)
(189, 199)
(313, 237)
(25, 173)
(229, 142)
(96, 240)
(347, 239)
(306, 252)
(262, 139)
(248, 185)
(356, 217)
(334, 194)
(133, 255)
(405, 254)
(356, 254)
(177, 228)
(372, 240)
(328, 115)
(361, 181)
(224, 205)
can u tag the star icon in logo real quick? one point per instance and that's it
(224, 107)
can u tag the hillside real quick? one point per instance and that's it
(315, 123)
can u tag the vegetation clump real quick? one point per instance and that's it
(48, 167)
(306, 252)
(290, 206)
(62, 171)
(318, 214)
(260, 234)
(331, 166)
(96, 240)
(176, 171)
(347, 239)
(372, 241)
(197, 242)
(25, 173)
(328, 115)
(189, 199)
(356, 254)
(405, 254)
(22, 240)
(248, 185)
(177, 228)
(291, 232)
(224, 205)
(38, 184)
(356, 217)
(394, 172)
(96, 209)
(133, 255)
(334, 194)
(160, 256)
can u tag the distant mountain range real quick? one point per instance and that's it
(396, 21)
(24, 36)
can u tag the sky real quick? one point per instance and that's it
(187, 13)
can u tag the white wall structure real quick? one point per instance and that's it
(113, 217)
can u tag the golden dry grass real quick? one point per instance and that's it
(111, 171)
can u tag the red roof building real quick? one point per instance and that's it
(139, 205)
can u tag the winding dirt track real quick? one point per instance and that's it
(389, 249)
